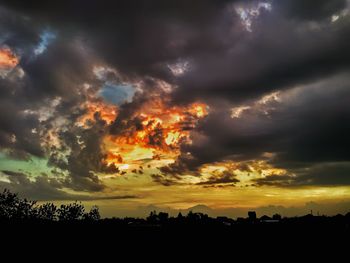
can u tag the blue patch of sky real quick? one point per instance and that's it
(46, 38)
(35, 166)
(117, 93)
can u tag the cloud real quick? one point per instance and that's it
(143, 38)
(43, 98)
(164, 180)
(305, 127)
(275, 180)
(85, 157)
(293, 50)
(223, 179)
(257, 64)
(134, 45)
(309, 9)
(45, 188)
(319, 174)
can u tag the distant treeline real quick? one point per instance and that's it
(16, 209)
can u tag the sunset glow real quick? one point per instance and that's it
(162, 130)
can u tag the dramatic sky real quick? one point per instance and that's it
(142, 104)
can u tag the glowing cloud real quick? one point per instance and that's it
(161, 130)
(107, 112)
(237, 111)
(8, 60)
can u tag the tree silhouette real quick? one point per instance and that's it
(71, 212)
(12, 207)
(15, 208)
(163, 217)
(93, 215)
(48, 212)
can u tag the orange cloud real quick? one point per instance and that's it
(8, 59)
(153, 133)
(161, 131)
(107, 112)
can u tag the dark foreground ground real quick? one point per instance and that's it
(104, 240)
(304, 228)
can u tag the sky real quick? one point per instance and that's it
(216, 106)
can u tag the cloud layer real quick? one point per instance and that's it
(274, 76)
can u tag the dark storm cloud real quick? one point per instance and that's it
(59, 71)
(164, 180)
(16, 126)
(142, 37)
(44, 188)
(85, 158)
(326, 174)
(310, 9)
(275, 180)
(307, 127)
(16, 130)
(184, 164)
(17, 31)
(44, 89)
(138, 36)
(225, 178)
(264, 60)
(321, 174)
